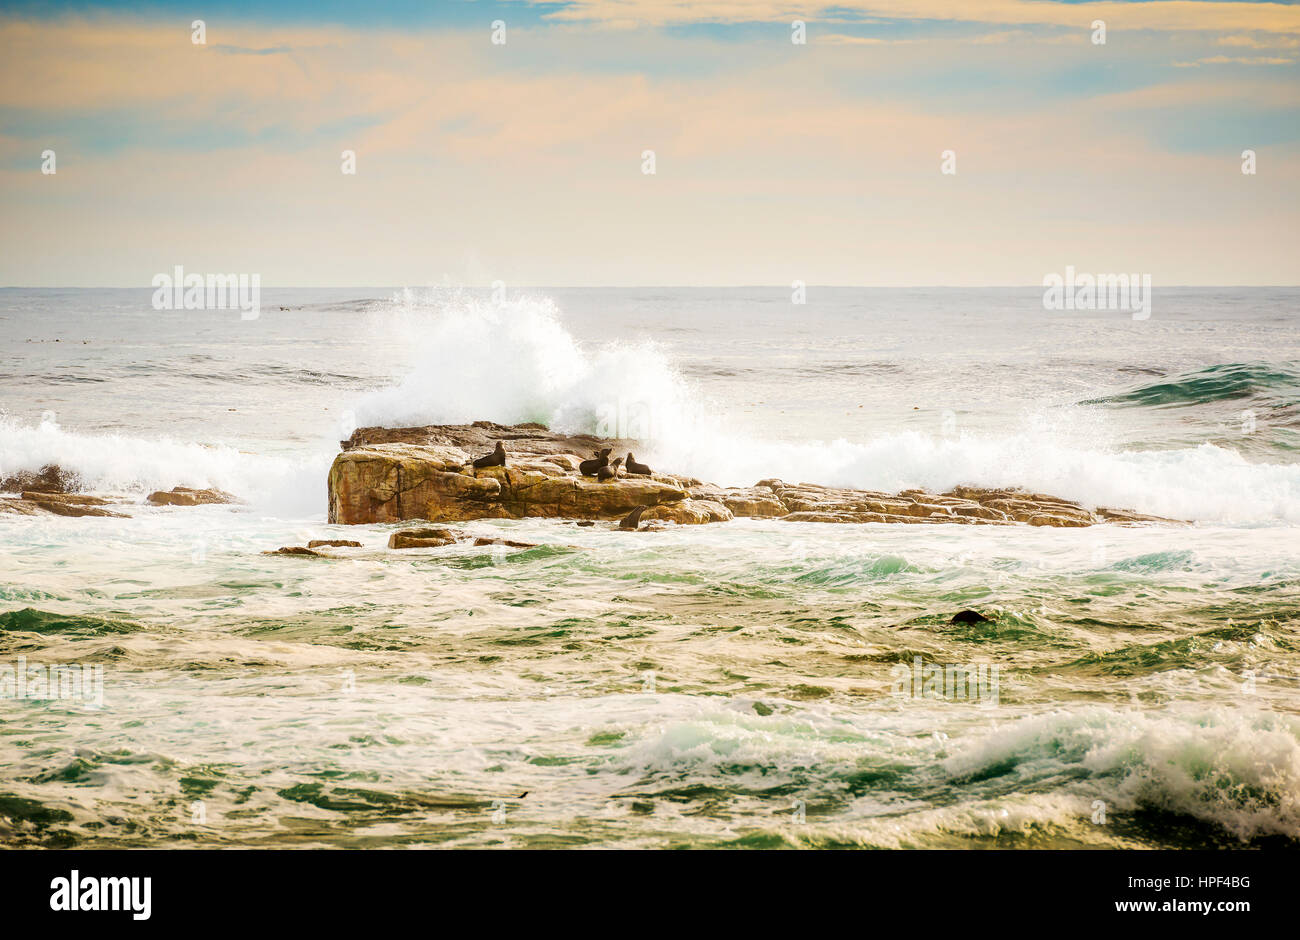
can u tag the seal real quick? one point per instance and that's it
(609, 472)
(589, 468)
(495, 459)
(633, 519)
(633, 467)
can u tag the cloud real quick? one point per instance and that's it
(1234, 60)
(774, 161)
(1266, 42)
(1163, 15)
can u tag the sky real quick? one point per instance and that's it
(524, 161)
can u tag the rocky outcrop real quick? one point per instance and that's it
(400, 474)
(48, 479)
(184, 496)
(35, 503)
(397, 482)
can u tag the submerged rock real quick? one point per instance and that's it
(333, 543)
(296, 550)
(399, 474)
(509, 543)
(969, 616)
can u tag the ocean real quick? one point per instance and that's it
(755, 683)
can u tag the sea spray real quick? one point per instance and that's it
(119, 463)
(515, 361)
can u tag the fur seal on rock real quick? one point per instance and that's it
(495, 459)
(610, 471)
(634, 467)
(589, 468)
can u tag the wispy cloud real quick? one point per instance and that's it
(522, 162)
(1234, 60)
(1162, 15)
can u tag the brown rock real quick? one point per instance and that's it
(20, 507)
(396, 482)
(49, 479)
(688, 512)
(185, 496)
(422, 538)
(75, 509)
(295, 550)
(78, 499)
(396, 474)
(333, 543)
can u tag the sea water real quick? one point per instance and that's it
(739, 684)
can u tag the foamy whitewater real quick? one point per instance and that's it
(732, 684)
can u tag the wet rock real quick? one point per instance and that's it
(185, 496)
(76, 509)
(72, 499)
(49, 479)
(396, 482)
(422, 538)
(969, 616)
(396, 474)
(333, 543)
(31, 503)
(483, 540)
(295, 550)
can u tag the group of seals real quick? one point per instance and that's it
(602, 468)
(592, 467)
(599, 466)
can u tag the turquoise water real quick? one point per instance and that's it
(748, 684)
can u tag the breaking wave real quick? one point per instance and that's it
(515, 362)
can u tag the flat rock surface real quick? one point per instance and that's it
(35, 503)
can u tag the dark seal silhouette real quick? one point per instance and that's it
(968, 616)
(634, 467)
(609, 472)
(589, 468)
(633, 519)
(495, 459)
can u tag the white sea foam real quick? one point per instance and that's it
(1233, 768)
(117, 463)
(516, 362)
(1236, 768)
